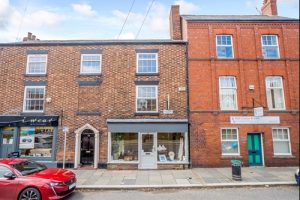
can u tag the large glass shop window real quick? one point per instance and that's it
(124, 146)
(170, 147)
(36, 141)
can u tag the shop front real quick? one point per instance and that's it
(33, 137)
(147, 143)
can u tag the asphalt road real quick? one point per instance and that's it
(266, 193)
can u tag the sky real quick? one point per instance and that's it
(103, 19)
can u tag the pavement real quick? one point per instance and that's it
(190, 178)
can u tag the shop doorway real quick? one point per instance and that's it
(87, 148)
(255, 149)
(148, 152)
(7, 141)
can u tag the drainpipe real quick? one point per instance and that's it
(188, 100)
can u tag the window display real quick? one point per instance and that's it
(36, 141)
(170, 147)
(124, 146)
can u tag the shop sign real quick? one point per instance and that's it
(27, 138)
(254, 120)
(259, 111)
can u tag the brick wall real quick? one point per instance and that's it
(249, 68)
(114, 98)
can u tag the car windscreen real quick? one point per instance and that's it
(28, 167)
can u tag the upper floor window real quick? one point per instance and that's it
(224, 46)
(146, 98)
(281, 141)
(34, 97)
(147, 63)
(275, 94)
(90, 63)
(36, 64)
(230, 141)
(270, 48)
(228, 94)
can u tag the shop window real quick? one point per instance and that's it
(270, 48)
(36, 64)
(228, 93)
(230, 141)
(170, 147)
(36, 141)
(275, 94)
(146, 98)
(91, 63)
(124, 147)
(34, 98)
(281, 141)
(224, 46)
(147, 63)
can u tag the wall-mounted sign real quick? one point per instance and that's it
(259, 111)
(254, 120)
(168, 112)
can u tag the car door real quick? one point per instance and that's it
(7, 186)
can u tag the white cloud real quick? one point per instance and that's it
(187, 7)
(84, 10)
(127, 36)
(13, 21)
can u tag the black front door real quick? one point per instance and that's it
(87, 149)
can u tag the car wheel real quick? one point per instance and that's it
(30, 194)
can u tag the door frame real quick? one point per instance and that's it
(78, 133)
(140, 144)
(262, 147)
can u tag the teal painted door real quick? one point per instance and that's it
(254, 149)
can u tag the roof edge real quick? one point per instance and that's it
(92, 42)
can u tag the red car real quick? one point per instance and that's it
(25, 179)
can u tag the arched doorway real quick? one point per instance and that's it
(86, 146)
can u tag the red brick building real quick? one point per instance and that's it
(124, 102)
(237, 63)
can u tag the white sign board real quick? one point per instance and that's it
(259, 111)
(254, 120)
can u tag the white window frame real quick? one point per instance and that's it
(24, 100)
(100, 64)
(283, 94)
(136, 98)
(220, 88)
(221, 45)
(289, 139)
(262, 47)
(237, 139)
(137, 64)
(35, 55)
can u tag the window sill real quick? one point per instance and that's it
(284, 156)
(146, 113)
(90, 74)
(123, 162)
(32, 113)
(35, 75)
(225, 157)
(147, 74)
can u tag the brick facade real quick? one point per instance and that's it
(249, 68)
(114, 98)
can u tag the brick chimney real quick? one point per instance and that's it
(175, 23)
(30, 37)
(269, 8)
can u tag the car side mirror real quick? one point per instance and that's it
(9, 175)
